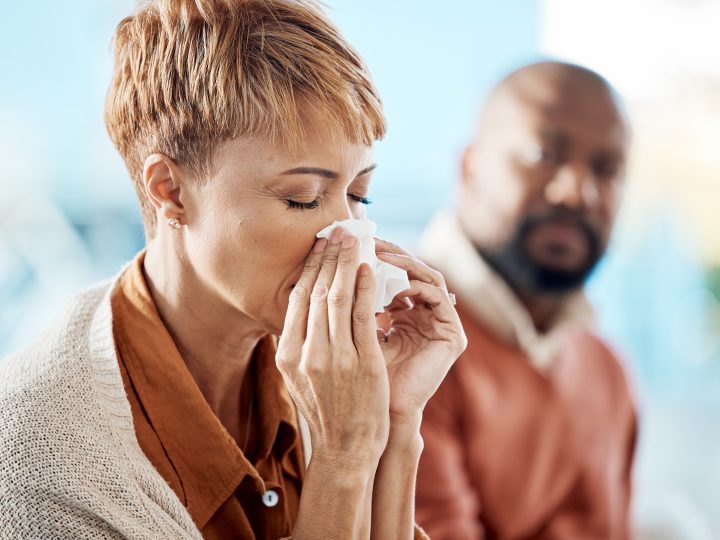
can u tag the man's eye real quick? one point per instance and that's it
(303, 205)
(549, 156)
(541, 155)
(605, 168)
(358, 198)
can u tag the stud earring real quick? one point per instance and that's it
(174, 223)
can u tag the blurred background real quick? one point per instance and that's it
(68, 214)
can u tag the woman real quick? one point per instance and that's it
(159, 407)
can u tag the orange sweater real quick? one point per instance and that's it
(513, 453)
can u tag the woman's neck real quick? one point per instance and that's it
(215, 340)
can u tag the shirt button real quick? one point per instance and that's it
(270, 498)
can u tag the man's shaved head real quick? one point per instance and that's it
(548, 84)
(543, 176)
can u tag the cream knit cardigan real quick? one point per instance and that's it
(70, 464)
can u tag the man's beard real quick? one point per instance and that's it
(514, 263)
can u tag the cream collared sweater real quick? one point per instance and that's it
(70, 464)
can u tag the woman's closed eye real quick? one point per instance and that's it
(303, 205)
(311, 205)
(359, 198)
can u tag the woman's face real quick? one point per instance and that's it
(252, 222)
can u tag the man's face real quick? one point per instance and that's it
(542, 185)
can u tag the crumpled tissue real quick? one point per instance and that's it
(389, 279)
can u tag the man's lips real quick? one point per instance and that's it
(559, 241)
(560, 232)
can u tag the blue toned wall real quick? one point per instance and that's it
(432, 62)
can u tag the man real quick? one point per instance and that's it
(533, 432)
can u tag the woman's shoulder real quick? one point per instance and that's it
(44, 385)
(67, 440)
(52, 356)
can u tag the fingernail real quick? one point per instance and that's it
(337, 235)
(319, 245)
(348, 241)
(364, 269)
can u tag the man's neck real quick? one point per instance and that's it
(544, 309)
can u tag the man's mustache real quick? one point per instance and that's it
(564, 217)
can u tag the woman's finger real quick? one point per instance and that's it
(415, 268)
(342, 293)
(399, 303)
(382, 336)
(296, 318)
(364, 326)
(388, 247)
(317, 329)
(433, 298)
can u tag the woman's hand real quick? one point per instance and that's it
(354, 389)
(424, 339)
(330, 357)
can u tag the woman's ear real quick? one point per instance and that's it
(163, 183)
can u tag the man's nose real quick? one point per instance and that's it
(573, 186)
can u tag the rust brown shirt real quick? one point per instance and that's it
(229, 492)
(512, 453)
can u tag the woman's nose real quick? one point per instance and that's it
(344, 210)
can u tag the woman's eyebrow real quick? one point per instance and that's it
(325, 173)
(367, 169)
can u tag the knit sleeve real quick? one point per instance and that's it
(42, 515)
(39, 497)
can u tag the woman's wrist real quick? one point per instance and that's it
(356, 465)
(336, 499)
(405, 433)
(393, 492)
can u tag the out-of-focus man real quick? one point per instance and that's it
(532, 434)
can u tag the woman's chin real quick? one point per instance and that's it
(273, 319)
(276, 329)
(275, 324)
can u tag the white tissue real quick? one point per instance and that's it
(389, 279)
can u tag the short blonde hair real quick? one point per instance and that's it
(190, 74)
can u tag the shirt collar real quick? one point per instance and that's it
(207, 459)
(488, 298)
(277, 413)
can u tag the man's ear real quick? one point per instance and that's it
(162, 178)
(468, 168)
